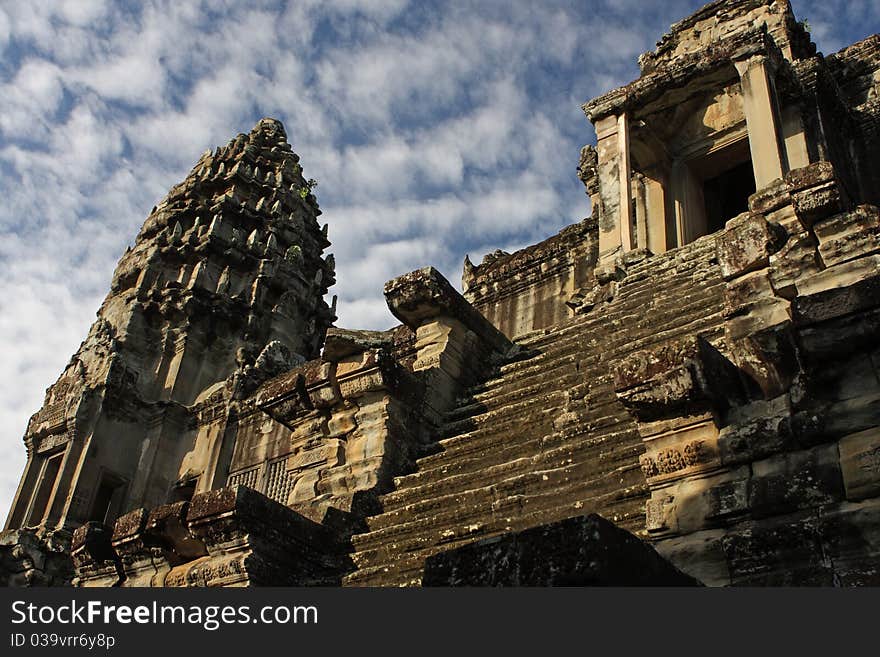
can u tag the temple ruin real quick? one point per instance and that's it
(681, 389)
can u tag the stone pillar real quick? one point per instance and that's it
(762, 119)
(679, 392)
(641, 193)
(655, 198)
(625, 172)
(615, 234)
(25, 491)
(796, 149)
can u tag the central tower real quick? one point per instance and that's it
(228, 266)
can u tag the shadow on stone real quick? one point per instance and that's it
(583, 551)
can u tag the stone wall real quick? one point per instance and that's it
(761, 456)
(533, 288)
(856, 70)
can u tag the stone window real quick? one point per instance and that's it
(49, 471)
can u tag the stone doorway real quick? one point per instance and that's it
(711, 189)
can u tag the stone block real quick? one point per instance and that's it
(677, 378)
(778, 552)
(793, 262)
(698, 502)
(849, 235)
(747, 244)
(700, 555)
(860, 464)
(840, 290)
(253, 540)
(787, 482)
(682, 451)
(838, 338)
(324, 396)
(814, 204)
(745, 292)
(585, 551)
(330, 453)
(342, 420)
(767, 354)
(341, 343)
(755, 431)
(771, 198)
(425, 294)
(356, 362)
(165, 527)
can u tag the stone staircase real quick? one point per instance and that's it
(544, 438)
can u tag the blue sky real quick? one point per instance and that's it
(433, 129)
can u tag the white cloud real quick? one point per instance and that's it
(4, 29)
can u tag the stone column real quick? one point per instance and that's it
(762, 119)
(658, 240)
(18, 510)
(615, 234)
(796, 149)
(625, 172)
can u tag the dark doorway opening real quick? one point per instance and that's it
(727, 195)
(105, 507)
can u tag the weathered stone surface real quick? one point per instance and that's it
(841, 290)
(788, 482)
(585, 551)
(860, 464)
(341, 343)
(252, 540)
(681, 377)
(425, 294)
(27, 559)
(747, 244)
(849, 235)
(520, 292)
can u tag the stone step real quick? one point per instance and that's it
(467, 460)
(404, 567)
(503, 466)
(536, 409)
(509, 390)
(636, 321)
(468, 416)
(692, 324)
(654, 300)
(661, 295)
(592, 452)
(481, 439)
(537, 368)
(476, 505)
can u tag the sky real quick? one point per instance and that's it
(434, 130)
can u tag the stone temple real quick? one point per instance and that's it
(683, 388)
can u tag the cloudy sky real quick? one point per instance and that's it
(434, 130)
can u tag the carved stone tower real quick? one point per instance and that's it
(227, 266)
